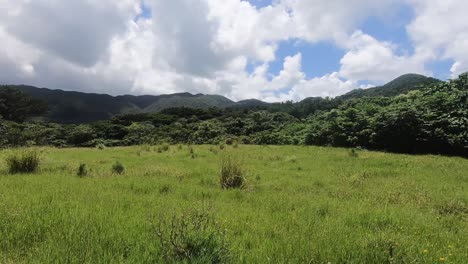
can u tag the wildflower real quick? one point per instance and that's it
(425, 251)
(442, 259)
(450, 246)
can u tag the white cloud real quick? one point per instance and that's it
(207, 45)
(376, 61)
(333, 20)
(78, 31)
(440, 30)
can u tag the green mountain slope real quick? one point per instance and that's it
(198, 101)
(77, 107)
(400, 85)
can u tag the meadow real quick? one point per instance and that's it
(299, 205)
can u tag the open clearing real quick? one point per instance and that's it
(300, 205)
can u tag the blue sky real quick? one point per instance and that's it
(269, 50)
(324, 57)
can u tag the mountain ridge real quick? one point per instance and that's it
(82, 107)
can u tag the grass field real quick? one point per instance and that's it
(300, 205)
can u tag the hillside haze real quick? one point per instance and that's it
(77, 107)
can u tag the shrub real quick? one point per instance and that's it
(193, 237)
(232, 173)
(100, 146)
(163, 148)
(192, 152)
(25, 162)
(229, 141)
(145, 148)
(165, 189)
(213, 150)
(118, 168)
(82, 171)
(222, 146)
(235, 144)
(353, 153)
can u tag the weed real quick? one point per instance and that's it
(193, 237)
(213, 150)
(192, 152)
(232, 173)
(353, 153)
(82, 171)
(25, 162)
(163, 148)
(100, 146)
(165, 189)
(453, 207)
(323, 210)
(222, 146)
(146, 148)
(118, 168)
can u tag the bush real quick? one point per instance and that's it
(118, 168)
(25, 162)
(222, 146)
(192, 152)
(353, 153)
(100, 146)
(193, 237)
(232, 173)
(82, 171)
(163, 148)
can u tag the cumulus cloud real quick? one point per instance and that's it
(372, 60)
(215, 47)
(333, 20)
(440, 30)
(78, 31)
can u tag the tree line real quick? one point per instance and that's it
(433, 119)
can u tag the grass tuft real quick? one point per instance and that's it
(232, 173)
(100, 146)
(118, 168)
(24, 162)
(193, 237)
(82, 171)
(353, 153)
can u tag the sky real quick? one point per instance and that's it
(272, 50)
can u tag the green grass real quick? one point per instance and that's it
(301, 205)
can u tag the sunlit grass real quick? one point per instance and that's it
(301, 205)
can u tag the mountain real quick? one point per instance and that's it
(251, 104)
(400, 85)
(198, 101)
(77, 107)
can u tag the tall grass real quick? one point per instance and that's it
(232, 173)
(377, 208)
(118, 168)
(193, 237)
(23, 162)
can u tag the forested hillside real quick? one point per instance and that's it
(69, 107)
(432, 119)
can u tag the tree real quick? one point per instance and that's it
(17, 106)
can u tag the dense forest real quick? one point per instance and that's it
(431, 117)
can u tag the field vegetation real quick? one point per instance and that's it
(232, 204)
